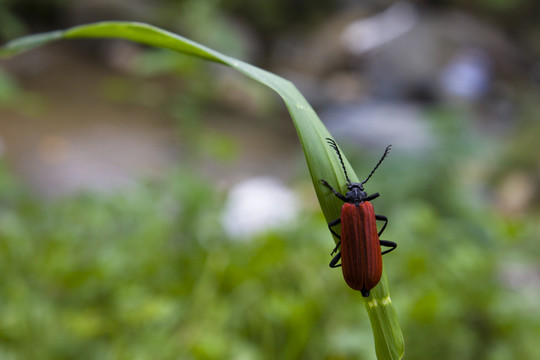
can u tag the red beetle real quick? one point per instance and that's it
(361, 256)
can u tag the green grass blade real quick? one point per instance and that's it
(321, 159)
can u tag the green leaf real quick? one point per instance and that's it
(321, 159)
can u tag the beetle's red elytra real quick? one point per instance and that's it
(360, 253)
(358, 222)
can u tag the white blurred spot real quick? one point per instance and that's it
(256, 205)
(367, 34)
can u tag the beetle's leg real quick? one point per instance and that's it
(334, 223)
(333, 263)
(335, 249)
(341, 196)
(387, 243)
(382, 218)
(373, 196)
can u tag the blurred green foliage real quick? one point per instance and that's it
(456, 252)
(9, 90)
(13, 97)
(148, 273)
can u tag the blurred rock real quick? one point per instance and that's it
(377, 123)
(440, 45)
(402, 52)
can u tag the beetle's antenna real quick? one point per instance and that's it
(334, 146)
(379, 163)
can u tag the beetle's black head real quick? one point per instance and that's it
(356, 193)
(358, 186)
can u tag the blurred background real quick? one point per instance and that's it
(154, 206)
